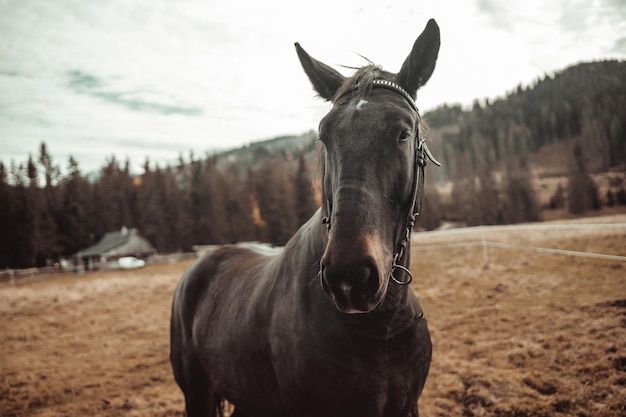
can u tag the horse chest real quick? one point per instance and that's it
(350, 374)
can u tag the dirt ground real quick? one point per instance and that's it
(516, 332)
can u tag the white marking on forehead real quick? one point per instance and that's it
(360, 104)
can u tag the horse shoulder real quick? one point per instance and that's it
(226, 275)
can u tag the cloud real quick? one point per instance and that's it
(620, 46)
(573, 16)
(88, 84)
(617, 7)
(499, 16)
(79, 81)
(9, 73)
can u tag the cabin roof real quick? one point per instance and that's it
(119, 243)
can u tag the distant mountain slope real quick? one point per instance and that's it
(258, 152)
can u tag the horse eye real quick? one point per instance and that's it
(404, 136)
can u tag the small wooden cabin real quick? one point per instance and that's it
(115, 245)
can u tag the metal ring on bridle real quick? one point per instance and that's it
(394, 267)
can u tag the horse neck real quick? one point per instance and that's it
(305, 248)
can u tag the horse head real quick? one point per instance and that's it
(371, 137)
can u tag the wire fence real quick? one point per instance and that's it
(477, 235)
(482, 231)
(23, 275)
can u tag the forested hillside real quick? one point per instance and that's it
(265, 191)
(586, 103)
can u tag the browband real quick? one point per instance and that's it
(395, 87)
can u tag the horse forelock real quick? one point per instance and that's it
(360, 84)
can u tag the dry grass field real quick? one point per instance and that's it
(516, 333)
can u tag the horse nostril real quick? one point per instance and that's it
(323, 280)
(353, 287)
(372, 272)
(345, 278)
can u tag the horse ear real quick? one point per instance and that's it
(420, 64)
(326, 81)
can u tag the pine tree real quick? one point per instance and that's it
(303, 183)
(171, 199)
(218, 201)
(520, 203)
(431, 211)
(582, 190)
(464, 194)
(75, 190)
(557, 200)
(7, 219)
(51, 171)
(276, 200)
(488, 198)
(238, 206)
(148, 209)
(200, 232)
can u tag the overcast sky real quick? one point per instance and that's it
(156, 78)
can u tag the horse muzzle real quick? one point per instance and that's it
(353, 285)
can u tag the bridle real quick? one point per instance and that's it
(422, 154)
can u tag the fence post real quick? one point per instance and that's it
(483, 242)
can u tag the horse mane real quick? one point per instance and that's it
(360, 84)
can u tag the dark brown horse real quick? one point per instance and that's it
(327, 326)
